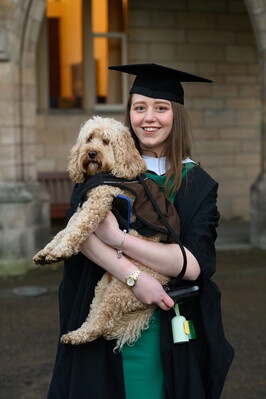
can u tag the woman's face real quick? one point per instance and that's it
(152, 120)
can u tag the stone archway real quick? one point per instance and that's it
(257, 13)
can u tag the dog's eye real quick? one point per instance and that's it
(106, 141)
(89, 139)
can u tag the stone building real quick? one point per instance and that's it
(53, 76)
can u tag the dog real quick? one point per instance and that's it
(103, 145)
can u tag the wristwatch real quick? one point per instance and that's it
(132, 279)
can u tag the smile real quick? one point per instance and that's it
(150, 129)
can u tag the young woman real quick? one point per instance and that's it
(155, 367)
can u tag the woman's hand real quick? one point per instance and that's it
(149, 291)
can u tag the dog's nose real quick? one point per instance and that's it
(92, 154)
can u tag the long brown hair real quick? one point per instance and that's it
(177, 145)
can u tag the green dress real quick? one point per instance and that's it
(143, 373)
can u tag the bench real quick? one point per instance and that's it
(59, 187)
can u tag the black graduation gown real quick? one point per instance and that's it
(194, 370)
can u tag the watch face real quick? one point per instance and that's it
(130, 281)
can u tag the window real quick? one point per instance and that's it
(78, 40)
(65, 55)
(109, 48)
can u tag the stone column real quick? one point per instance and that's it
(257, 12)
(24, 206)
(258, 197)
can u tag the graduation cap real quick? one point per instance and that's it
(157, 81)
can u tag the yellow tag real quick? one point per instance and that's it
(186, 327)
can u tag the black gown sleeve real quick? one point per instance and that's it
(197, 369)
(199, 216)
(74, 201)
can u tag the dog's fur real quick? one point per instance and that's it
(103, 145)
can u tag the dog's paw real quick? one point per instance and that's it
(79, 337)
(66, 339)
(61, 253)
(51, 258)
(58, 255)
(40, 258)
(73, 339)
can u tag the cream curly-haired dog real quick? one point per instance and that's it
(103, 145)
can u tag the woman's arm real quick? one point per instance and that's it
(147, 289)
(197, 208)
(163, 258)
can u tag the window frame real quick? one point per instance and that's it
(89, 103)
(118, 106)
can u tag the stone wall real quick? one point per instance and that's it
(212, 39)
(215, 40)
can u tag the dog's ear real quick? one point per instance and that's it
(129, 163)
(74, 170)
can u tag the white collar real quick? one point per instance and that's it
(158, 165)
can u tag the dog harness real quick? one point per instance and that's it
(148, 222)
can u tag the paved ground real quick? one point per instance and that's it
(29, 326)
